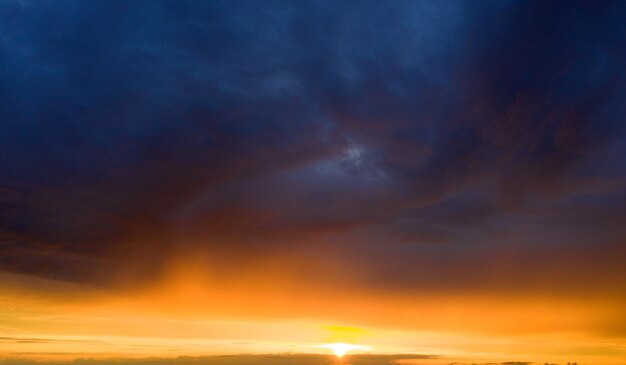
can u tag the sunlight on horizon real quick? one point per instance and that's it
(340, 349)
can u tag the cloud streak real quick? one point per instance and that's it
(408, 149)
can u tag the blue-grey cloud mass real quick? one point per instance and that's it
(441, 145)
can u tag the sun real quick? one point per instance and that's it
(341, 349)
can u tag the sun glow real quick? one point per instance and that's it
(341, 349)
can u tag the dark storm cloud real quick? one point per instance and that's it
(437, 137)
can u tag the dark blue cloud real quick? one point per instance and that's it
(426, 134)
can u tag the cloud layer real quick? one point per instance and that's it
(403, 147)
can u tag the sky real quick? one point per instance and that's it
(245, 182)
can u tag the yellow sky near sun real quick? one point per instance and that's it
(50, 320)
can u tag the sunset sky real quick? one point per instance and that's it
(250, 182)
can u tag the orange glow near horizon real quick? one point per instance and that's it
(58, 322)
